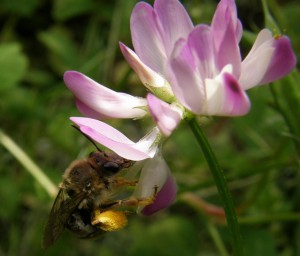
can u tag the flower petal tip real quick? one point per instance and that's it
(164, 198)
(166, 116)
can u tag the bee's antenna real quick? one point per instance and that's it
(88, 137)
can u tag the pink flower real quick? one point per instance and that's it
(202, 64)
(189, 70)
(195, 68)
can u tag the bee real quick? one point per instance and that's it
(85, 203)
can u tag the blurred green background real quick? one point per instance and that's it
(40, 39)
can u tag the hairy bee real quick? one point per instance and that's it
(84, 203)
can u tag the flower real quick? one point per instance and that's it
(154, 173)
(188, 68)
(201, 64)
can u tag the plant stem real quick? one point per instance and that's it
(31, 167)
(213, 231)
(197, 204)
(221, 185)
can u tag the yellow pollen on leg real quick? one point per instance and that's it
(110, 220)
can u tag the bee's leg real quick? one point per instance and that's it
(139, 201)
(132, 202)
(123, 182)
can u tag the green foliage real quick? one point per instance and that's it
(20, 7)
(179, 238)
(66, 9)
(12, 61)
(259, 153)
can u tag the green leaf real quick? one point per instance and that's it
(259, 242)
(20, 7)
(66, 9)
(172, 236)
(63, 51)
(287, 99)
(269, 20)
(13, 65)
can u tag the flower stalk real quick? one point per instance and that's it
(30, 166)
(221, 185)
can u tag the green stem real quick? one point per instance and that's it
(31, 167)
(196, 203)
(221, 185)
(213, 231)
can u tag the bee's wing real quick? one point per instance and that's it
(61, 210)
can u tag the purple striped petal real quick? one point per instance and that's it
(201, 45)
(226, 32)
(174, 21)
(166, 116)
(185, 79)
(226, 10)
(146, 37)
(116, 141)
(191, 63)
(93, 98)
(155, 30)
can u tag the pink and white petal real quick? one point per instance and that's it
(112, 139)
(89, 112)
(164, 198)
(264, 37)
(174, 21)
(201, 44)
(149, 143)
(225, 97)
(282, 62)
(156, 173)
(99, 98)
(147, 76)
(185, 79)
(226, 10)
(254, 69)
(227, 49)
(166, 116)
(147, 38)
(256, 63)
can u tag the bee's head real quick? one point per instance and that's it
(108, 164)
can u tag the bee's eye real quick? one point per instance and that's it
(111, 168)
(71, 192)
(76, 172)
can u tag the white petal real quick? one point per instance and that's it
(225, 97)
(256, 63)
(148, 77)
(156, 175)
